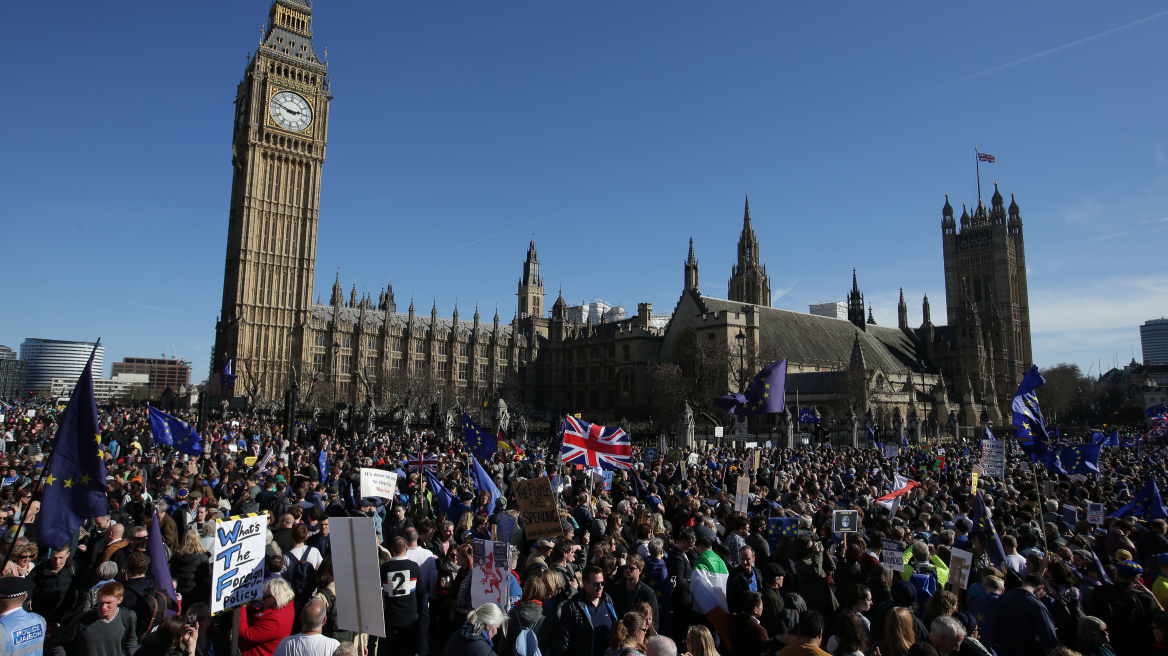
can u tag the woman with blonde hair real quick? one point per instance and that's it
(645, 609)
(699, 641)
(190, 567)
(260, 631)
(628, 636)
(465, 523)
(899, 636)
(21, 563)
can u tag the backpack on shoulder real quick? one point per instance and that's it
(299, 571)
(526, 642)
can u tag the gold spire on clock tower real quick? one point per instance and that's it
(278, 149)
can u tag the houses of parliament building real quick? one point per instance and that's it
(555, 360)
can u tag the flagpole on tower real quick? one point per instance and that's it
(977, 170)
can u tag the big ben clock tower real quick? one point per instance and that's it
(278, 148)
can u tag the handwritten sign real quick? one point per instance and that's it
(378, 483)
(742, 494)
(237, 574)
(891, 451)
(993, 455)
(489, 582)
(651, 454)
(537, 508)
(892, 556)
(249, 461)
(1095, 513)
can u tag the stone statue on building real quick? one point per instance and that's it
(852, 427)
(521, 429)
(406, 418)
(452, 420)
(501, 416)
(898, 425)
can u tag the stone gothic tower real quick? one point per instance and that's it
(691, 270)
(278, 149)
(985, 279)
(856, 305)
(531, 287)
(749, 282)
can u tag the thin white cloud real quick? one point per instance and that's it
(1052, 51)
(776, 294)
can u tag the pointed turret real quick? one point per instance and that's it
(338, 296)
(411, 308)
(691, 270)
(560, 308)
(871, 319)
(856, 304)
(748, 280)
(746, 225)
(353, 296)
(902, 312)
(996, 200)
(947, 211)
(858, 362)
(454, 318)
(964, 216)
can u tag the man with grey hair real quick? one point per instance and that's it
(310, 642)
(946, 635)
(660, 646)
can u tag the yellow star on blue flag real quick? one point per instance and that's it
(481, 443)
(779, 528)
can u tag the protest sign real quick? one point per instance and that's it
(1095, 513)
(492, 570)
(505, 526)
(892, 556)
(973, 481)
(742, 494)
(651, 454)
(993, 455)
(267, 458)
(357, 575)
(249, 461)
(676, 455)
(960, 562)
(1049, 489)
(717, 429)
(607, 481)
(756, 460)
(1070, 515)
(891, 451)
(237, 573)
(845, 521)
(378, 483)
(537, 508)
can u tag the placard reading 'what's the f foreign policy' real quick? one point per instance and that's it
(237, 573)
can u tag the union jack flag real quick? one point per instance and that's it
(426, 460)
(594, 445)
(985, 158)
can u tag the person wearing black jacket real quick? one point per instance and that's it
(744, 578)
(632, 590)
(1125, 609)
(680, 569)
(58, 584)
(402, 599)
(586, 619)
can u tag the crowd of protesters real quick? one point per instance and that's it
(618, 581)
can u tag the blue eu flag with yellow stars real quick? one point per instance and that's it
(481, 443)
(75, 484)
(1028, 422)
(766, 394)
(1081, 458)
(1147, 504)
(779, 528)
(175, 432)
(984, 532)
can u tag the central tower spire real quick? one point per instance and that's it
(749, 282)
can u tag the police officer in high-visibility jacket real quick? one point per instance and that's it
(24, 632)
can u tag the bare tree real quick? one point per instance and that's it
(699, 372)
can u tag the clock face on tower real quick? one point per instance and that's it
(290, 111)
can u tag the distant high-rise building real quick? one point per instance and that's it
(1154, 341)
(12, 374)
(56, 358)
(163, 372)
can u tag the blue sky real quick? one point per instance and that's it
(614, 132)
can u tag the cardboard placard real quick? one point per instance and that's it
(892, 451)
(892, 556)
(993, 456)
(973, 482)
(537, 508)
(717, 429)
(378, 483)
(756, 460)
(1049, 489)
(845, 521)
(357, 575)
(960, 562)
(1095, 513)
(742, 494)
(237, 571)
(250, 461)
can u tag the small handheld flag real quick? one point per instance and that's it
(481, 443)
(226, 378)
(175, 432)
(766, 394)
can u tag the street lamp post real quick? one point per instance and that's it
(336, 381)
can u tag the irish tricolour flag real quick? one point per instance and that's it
(708, 586)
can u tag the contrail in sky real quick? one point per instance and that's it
(550, 216)
(1056, 50)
